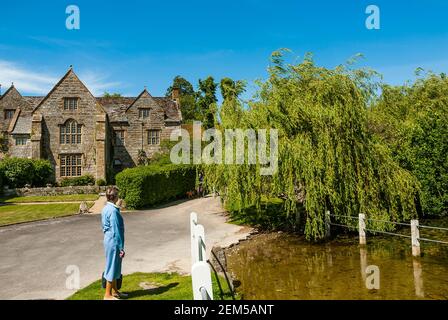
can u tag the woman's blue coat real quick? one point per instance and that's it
(113, 228)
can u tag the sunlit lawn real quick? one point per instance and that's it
(152, 286)
(15, 213)
(57, 198)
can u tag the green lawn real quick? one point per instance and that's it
(58, 198)
(160, 286)
(15, 213)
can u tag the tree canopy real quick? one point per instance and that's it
(328, 157)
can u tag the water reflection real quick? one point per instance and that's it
(280, 266)
(418, 279)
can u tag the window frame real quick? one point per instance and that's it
(122, 137)
(70, 163)
(144, 113)
(23, 139)
(151, 138)
(7, 112)
(70, 132)
(71, 107)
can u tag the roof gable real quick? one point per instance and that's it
(143, 95)
(69, 74)
(11, 92)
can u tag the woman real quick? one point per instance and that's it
(113, 228)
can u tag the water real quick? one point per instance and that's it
(282, 266)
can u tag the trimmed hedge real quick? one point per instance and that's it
(147, 185)
(101, 182)
(78, 181)
(17, 172)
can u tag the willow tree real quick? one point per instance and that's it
(327, 158)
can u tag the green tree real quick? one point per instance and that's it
(231, 108)
(327, 158)
(207, 101)
(413, 121)
(111, 95)
(188, 102)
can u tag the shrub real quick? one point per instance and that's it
(101, 182)
(43, 172)
(78, 181)
(17, 172)
(147, 185)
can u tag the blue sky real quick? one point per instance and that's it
(123, 46)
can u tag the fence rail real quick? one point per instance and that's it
(414, 225)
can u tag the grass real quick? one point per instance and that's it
(57, 198)
(14, 213)
(270, 216)
(165, 286)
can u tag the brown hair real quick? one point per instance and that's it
(111, 193)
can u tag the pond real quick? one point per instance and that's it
(285, 266)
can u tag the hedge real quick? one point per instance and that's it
(78, 181)
(147, 185)
(17, 172)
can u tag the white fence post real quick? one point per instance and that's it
(415, 235)
(362, 228)
(193, 223)
(202, 281)
(200, 270)
(200, 243)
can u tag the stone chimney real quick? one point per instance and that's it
(175, 94)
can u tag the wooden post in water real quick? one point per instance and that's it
(415, 234)
(362, 229)
(327, 224)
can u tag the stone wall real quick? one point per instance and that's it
(12, 100)
(20, 151)
(88, 114)
(136, 130)
(53, 191)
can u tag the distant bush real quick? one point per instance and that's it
(147, 185)
(17, 172)
(78, 181)
(101, 182)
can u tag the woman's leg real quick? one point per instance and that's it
(109, 287)
(114, 286)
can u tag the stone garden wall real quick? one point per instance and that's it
(52, 191)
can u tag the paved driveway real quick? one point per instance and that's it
(35, 256)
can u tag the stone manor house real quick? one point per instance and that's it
(82, 134)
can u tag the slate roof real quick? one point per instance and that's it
(23, 125)
(33, 101)
(116, 107)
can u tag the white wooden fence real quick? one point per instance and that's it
(200, 270)
(362, 221)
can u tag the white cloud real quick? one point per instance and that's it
(97, 83)
(25, 80)
(28, 81)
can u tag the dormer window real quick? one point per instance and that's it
(9, 113)
(70, 103)
(143, 113)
